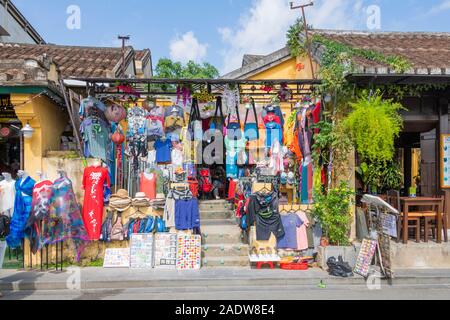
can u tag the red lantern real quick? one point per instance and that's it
(118, 138)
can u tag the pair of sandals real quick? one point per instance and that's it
(339, 268)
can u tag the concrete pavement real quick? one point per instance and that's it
(219, 283)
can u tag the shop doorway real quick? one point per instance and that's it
(417, 156)
(11, 141)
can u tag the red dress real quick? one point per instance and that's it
(94, 178)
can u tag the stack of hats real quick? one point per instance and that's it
(120, 201)
(159, 202)
(141, 200)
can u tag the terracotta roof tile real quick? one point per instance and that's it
(72, 61)
(423, 50)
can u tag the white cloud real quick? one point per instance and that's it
(444, 6)
(187, 47)
(263, 28)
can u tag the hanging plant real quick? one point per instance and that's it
(374, 124)
(203, 96)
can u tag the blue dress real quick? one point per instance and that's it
(22, 209)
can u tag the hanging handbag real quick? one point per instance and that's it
(160, 225)
(217, 121)
(195, 127)
(117, 233)
(251, 131)
(231, 126)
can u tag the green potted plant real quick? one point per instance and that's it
(333, 210)
(392, 176)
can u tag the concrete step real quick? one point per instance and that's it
(215, 214)
(215, 205)
(214, 262)
(221, 234)
(224, 250)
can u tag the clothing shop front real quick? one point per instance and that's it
(220, 177)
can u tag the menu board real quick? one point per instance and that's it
(141, 251)
(389, 224)
(445, 161)
(189, 252)
(165, 250)
(117, 258)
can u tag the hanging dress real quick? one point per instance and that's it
(94, 178)
(7, 196)
(22, 208)
(63, 220)
(39, 207)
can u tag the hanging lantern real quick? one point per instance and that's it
(118, 138)
(27, 131)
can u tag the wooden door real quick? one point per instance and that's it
(428, 166)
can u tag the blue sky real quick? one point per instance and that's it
(219, 31)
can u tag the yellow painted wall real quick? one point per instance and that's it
(49, 122)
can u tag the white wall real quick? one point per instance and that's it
(17, 33)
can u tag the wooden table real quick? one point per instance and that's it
(436, 203)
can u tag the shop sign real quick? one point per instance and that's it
(6, 108)
(5, 132)
(445, 161)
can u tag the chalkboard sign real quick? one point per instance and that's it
(445, 161)
(141, 251)
(117, 258)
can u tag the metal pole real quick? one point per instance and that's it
(305, 26)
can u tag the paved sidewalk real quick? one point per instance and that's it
(99, 278)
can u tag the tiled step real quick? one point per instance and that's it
(224, 250)
(239, 261)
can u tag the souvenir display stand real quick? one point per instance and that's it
(382, 226)
(161, 147)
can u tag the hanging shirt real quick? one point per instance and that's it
(148, 184)
(163, 153)
(262, 210)
(177, 158)
(273, 132)
(137, 123)
(95, 133)
(7, 195)
(290, 224)
(155, 128)
(187, 214)
(302, 232)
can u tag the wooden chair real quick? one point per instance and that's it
(393, 198)
(430, 222)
